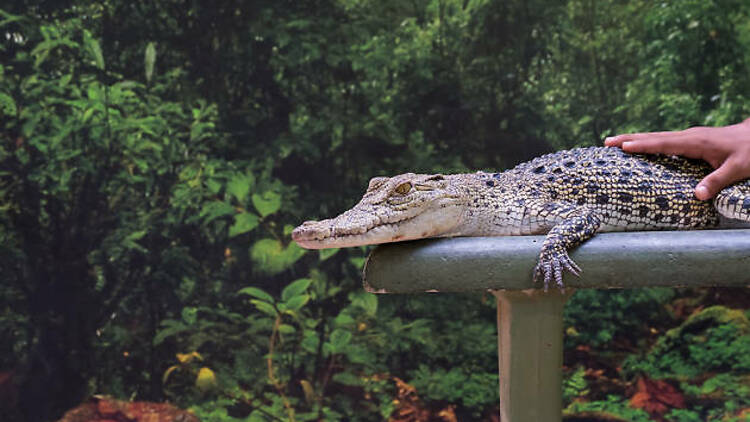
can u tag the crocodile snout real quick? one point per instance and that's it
(311, 230)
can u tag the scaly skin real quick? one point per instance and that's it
(570, 195)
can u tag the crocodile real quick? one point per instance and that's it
(568, 195)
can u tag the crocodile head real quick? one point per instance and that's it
(404, 207)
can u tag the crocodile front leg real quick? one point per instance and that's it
(574, 226)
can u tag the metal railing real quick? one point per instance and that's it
(529, 321)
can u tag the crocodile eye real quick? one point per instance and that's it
(403, 188)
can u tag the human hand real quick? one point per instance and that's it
(726, 149)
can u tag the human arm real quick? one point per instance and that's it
(726, 149)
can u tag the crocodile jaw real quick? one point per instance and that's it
(353, 229)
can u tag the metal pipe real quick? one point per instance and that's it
(609, 260)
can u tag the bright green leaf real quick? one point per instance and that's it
(190, 315)
(369, 302)
(149, 60)
(213, 185)
(297, 302)
(239, 186)
(131, 241)
(343, 320)
(94, 49)
(272, 258)
(324, 254)
(295, 288)
(339, 339)
(214, 210)
(7, 105)
(243, 223)
(267, 203)
(264, 307)
(286, 329)
(94, 92)
(257, 293)
(358, 262)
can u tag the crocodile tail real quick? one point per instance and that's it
(734, 201)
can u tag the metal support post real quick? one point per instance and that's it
(530, 345)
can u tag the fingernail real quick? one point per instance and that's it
(701, 192)
(626, 145)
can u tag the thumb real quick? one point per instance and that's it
(714, 182)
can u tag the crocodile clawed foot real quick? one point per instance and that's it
(552, 265)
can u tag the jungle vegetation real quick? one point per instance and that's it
(154, 157)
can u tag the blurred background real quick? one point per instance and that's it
(154, 157)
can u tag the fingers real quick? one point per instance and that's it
(720, 178)
(617, 141)
(686, 142)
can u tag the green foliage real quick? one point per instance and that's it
(597, 317)
(272, 257)
(686, 36)
(150, 179)
(575, 385)
(613, 406)
(711, 340)
(476, 391)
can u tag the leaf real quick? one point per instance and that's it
(94, 92)
(272, 258)
(94, 49)
(286, 329)
(324, 254)
(8, 18)
(257, 293)
(188, 357)
(267, 203)
(358, 262)
(310, 343)
(200, 130)
(347, 378)
(131, 241)
(190, 315)
(343, 320)
(171, 327)
(295, 288)
(307, 388)
(369, 302)
(206, 379)
(87, 115)
(243, 223)
(168, 372)
(239, 186)
(656, 397)
(213, 185)
(214, 210)
(149, 60)
(339, 339)
(7, 105)
(264, 307)
(297, 302)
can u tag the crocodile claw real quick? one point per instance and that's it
(552, 265)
